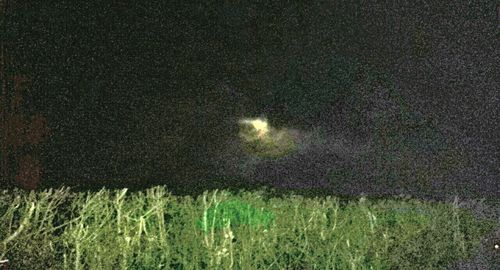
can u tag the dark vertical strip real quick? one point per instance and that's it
(498, 16)
(3, 111)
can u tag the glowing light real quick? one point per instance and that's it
(260, 125)
(260, 139)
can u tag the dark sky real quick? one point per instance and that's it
(140, 77)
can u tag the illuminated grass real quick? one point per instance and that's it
(156, 230)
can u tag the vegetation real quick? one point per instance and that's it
(152, 229)
(236, 213)
(294, 64)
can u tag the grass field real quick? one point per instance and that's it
(152, 229)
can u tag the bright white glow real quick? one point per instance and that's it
(260, 125)
(264, 139)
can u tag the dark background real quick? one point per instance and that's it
(139, 94)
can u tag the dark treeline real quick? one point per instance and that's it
(140, 94)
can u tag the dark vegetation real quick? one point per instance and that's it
(150, 95)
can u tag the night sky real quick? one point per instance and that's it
(150, 93)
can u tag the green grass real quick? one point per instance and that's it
(152, 229)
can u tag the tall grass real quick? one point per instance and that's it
(153, 229)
